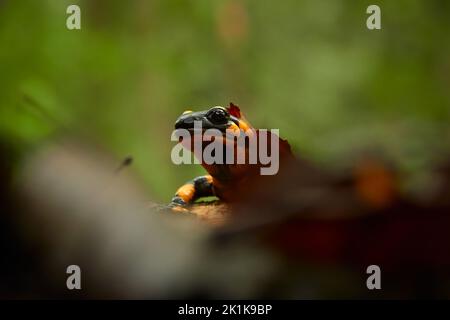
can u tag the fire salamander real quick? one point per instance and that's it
(225, 180)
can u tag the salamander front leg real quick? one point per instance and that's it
(199, 187)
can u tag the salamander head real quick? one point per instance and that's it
(219, 118)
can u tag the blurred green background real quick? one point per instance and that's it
(310, 68)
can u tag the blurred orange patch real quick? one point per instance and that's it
(232, 23)
(375, 183)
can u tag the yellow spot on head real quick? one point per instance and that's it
(187, 111)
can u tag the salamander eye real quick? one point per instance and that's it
(218, 116)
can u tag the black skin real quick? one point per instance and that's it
(214, 118)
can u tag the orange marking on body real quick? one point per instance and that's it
(243, 125)
(233, 127)
(375, 184)
(248, 130)
(209, 178)
(186, 192)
